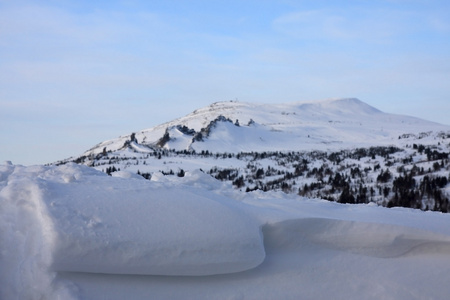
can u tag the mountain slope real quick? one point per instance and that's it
(341, 150)
(236, 126)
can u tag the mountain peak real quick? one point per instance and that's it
(328, 109)
(341, 105)
(313, 125)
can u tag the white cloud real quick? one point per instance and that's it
(368, 25)
(439, 24)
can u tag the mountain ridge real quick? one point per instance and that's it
(327, 124)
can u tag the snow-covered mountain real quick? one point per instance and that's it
(242, 220)
(244, 127)
(341, 150)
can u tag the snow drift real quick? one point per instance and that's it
(75, 219)
(71, 232)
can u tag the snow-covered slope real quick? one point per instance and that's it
(71, 232)
(333, 147)
(237, 126)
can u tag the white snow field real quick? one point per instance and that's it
(72, 232)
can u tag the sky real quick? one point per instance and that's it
(76, 73)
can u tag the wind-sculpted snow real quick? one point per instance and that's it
(369, 239)
(110, 225)
(74, 219)
(71, 232)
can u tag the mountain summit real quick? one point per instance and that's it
(233, 127)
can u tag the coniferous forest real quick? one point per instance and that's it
(413, 177)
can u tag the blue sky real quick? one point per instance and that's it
(75, 73)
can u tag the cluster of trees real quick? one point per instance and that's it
(363, 175)
(111, 169)
(224, 174)
(425, 194)
(337, 180)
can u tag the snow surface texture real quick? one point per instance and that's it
(71, 232)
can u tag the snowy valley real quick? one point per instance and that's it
(312, 200)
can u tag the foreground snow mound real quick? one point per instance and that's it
(62, 228)
(131, 226)
(73, 218)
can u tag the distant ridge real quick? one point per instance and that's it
(232, 126)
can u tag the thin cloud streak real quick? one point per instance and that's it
(376, 26)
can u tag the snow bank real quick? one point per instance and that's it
(26, 238)
(310, 258)
(71, 232)
(75, 219)
(111, 225)
(126, 174)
